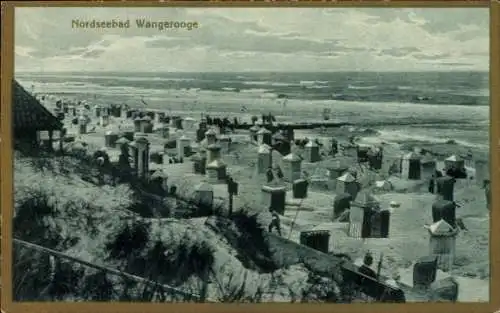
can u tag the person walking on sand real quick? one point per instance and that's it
(432, 183)
(275, 222)
(269, 175)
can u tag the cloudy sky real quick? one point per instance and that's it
(256, 39)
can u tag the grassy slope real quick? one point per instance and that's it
(94, 224)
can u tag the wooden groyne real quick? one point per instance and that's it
(295, 125)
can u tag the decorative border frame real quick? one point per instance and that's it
(6, 173)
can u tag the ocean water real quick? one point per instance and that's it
(427, 107)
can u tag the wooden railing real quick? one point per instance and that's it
(111, 271)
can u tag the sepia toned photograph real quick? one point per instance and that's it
(251, 155)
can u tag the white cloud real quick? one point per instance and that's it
(237, 39)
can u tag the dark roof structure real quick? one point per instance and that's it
(29, 114)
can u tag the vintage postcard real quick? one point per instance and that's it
(250, 155)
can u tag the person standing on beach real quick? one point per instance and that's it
(269, 175)
(432, 183)
(334, 147)
(279, 173)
